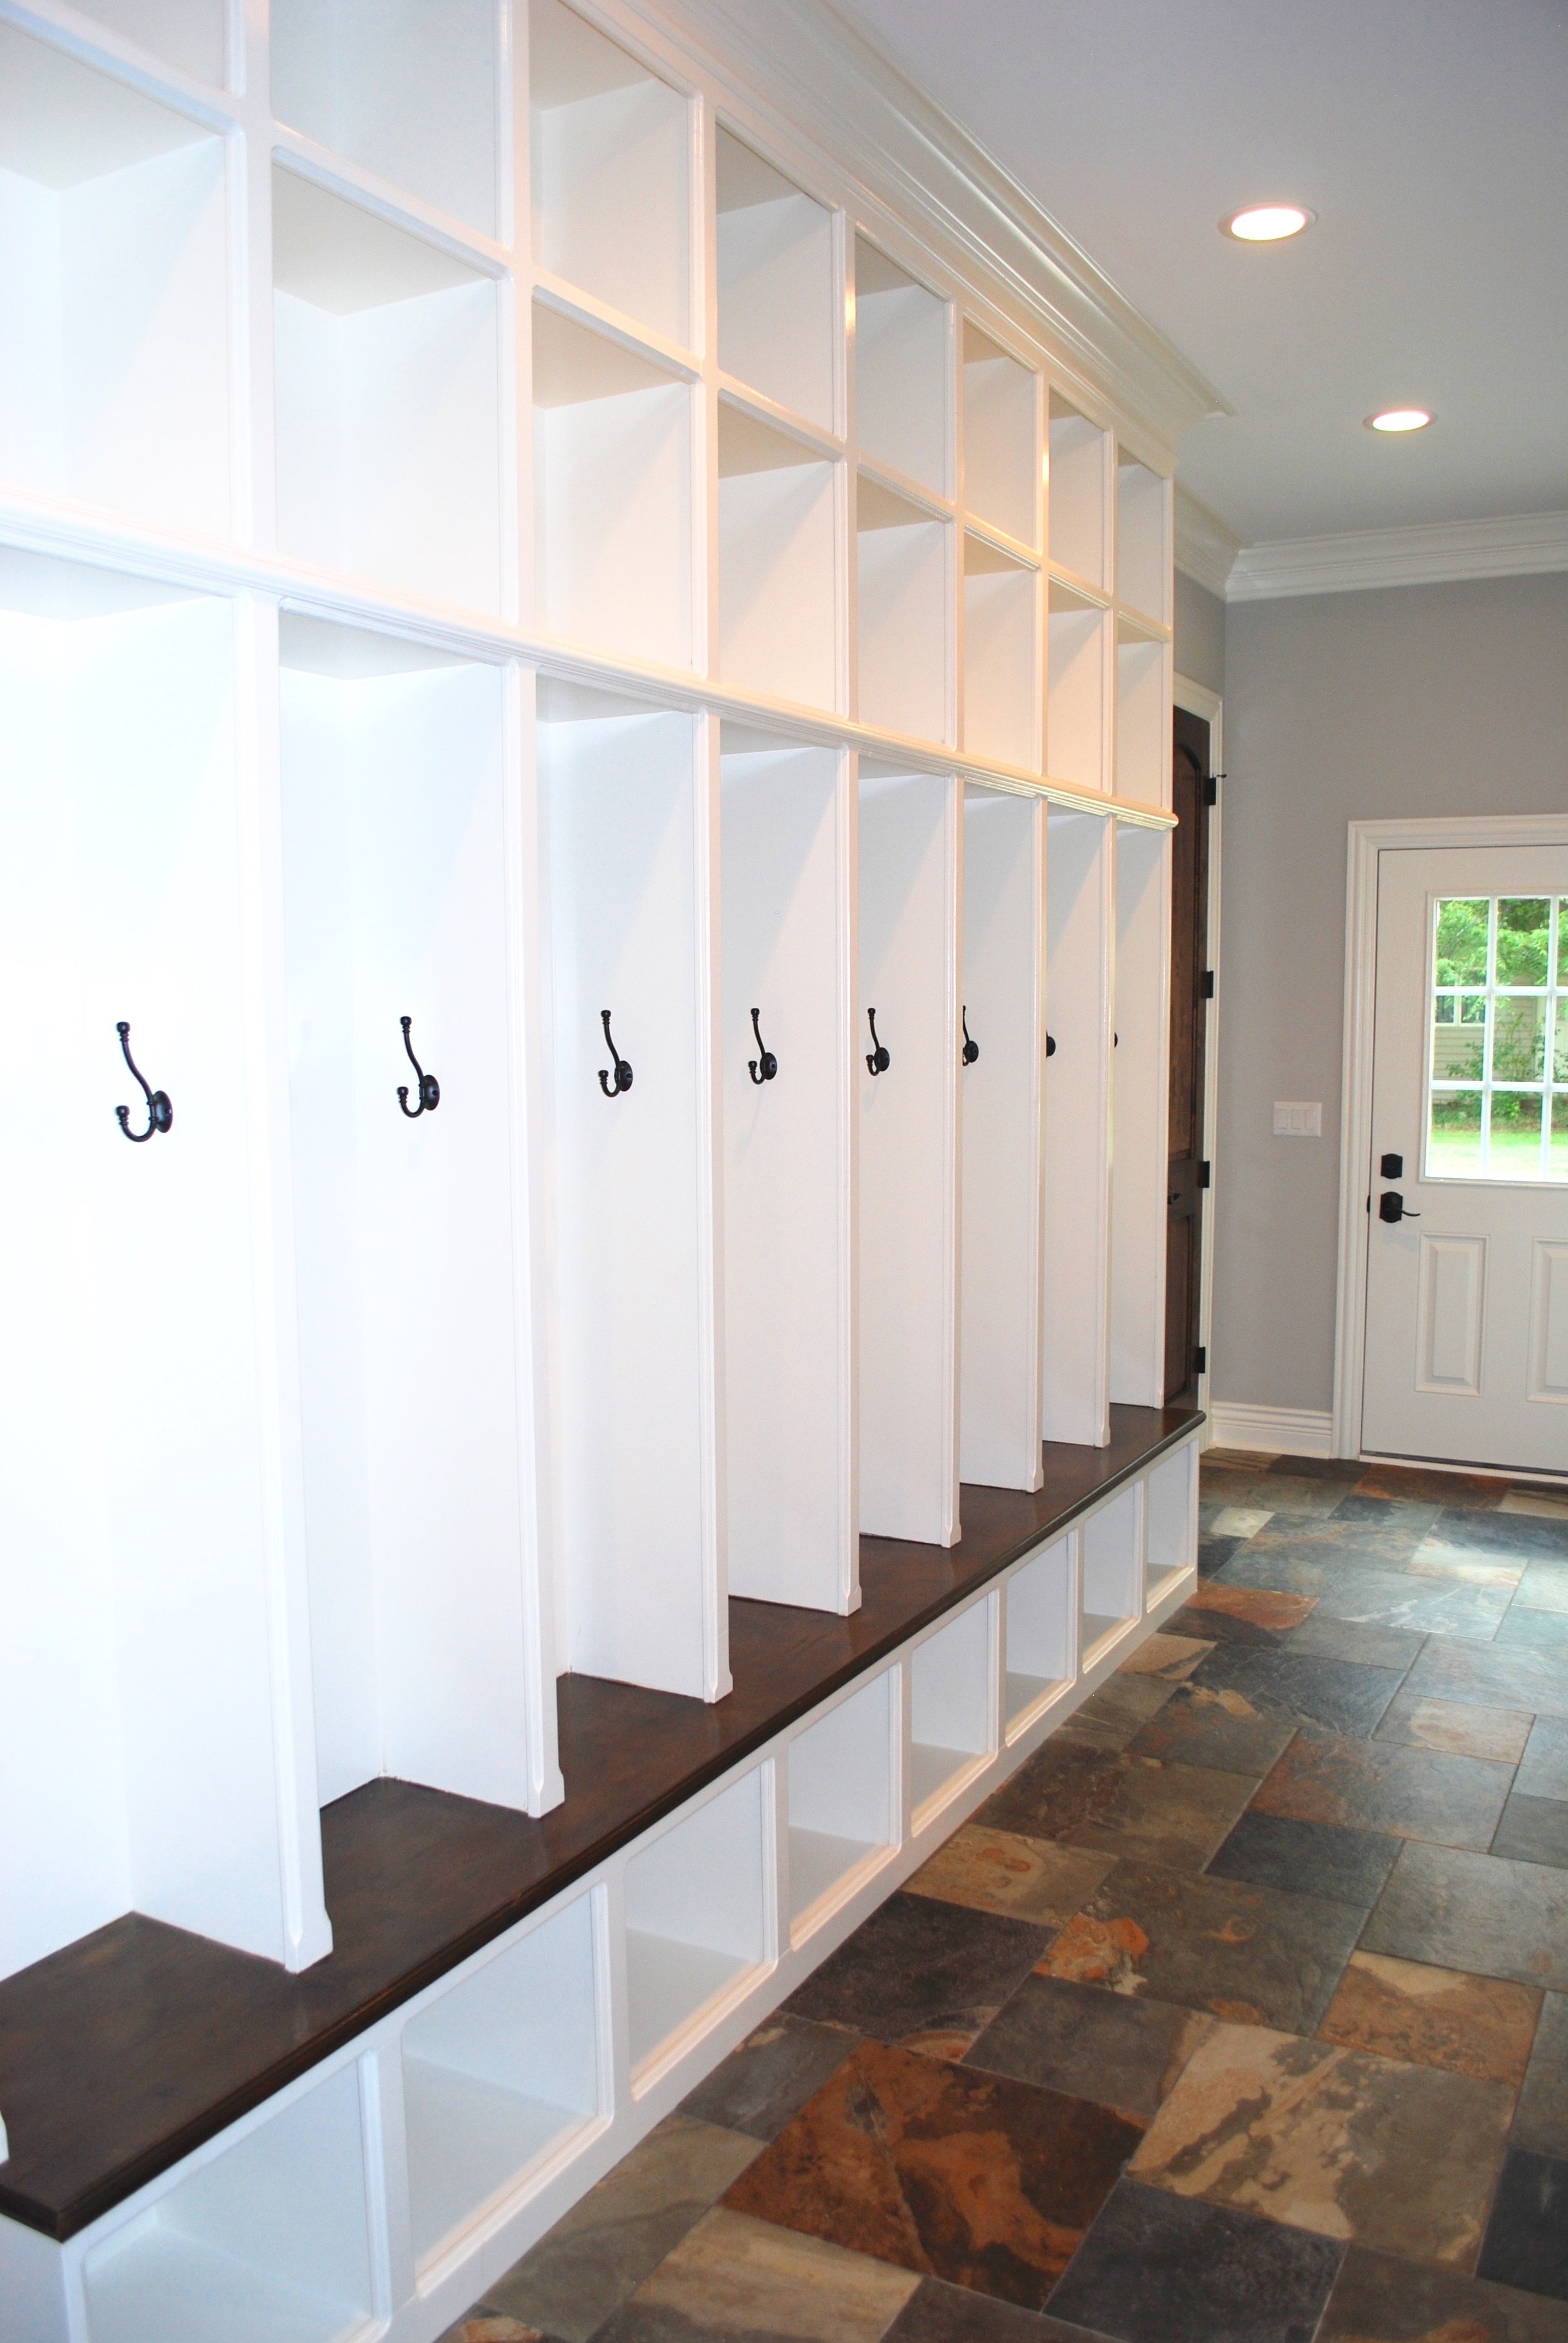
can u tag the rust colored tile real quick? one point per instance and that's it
(1382, 1786)
(1434, 2017)
(1421, 1487)
(1002, 1871)
(1262, 1606)
(1171, 1657)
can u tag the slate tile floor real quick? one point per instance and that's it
(1240, 2014)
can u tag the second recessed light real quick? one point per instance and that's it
(1267, 223)
(1400, 418)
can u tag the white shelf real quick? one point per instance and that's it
(1171, 1521)
(904, 557)
(1142, 717)
(1142, 556)
(902, 372)
(388, 459)
(189, 35)
(777, 319)
(950, 1707)
(407, 93)
(1099, 1631)
(778, 606)
(1079, 489)
(1075, 722)
(1111, 1547)
(696, 1916)
(612, 484)
(115, 360)
(610, 171)
(843, 1799)
(1003, 479)
(1001, 657)
(1039, 1621)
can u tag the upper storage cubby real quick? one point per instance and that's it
(901, 372)
(611, 173)
(406, 91)
(1142, 750)
(1143, 565)
(114, 360)
(777, 314)
(777, 562)
(1077, 645)
(1001, 656)
(903, 553)
(1002, 439)
(186, 33)
(612, 494)
(388, 425)
(1080, 475)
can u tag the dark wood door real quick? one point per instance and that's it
(1188, 1000)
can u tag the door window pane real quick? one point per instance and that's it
(1461, 941)
(1453, 1151)
(1499, 1028)
(1524, 939)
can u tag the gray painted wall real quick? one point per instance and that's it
(1199, 630)
(1423, 700)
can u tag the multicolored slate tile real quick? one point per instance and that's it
(1534, 1830)
(1478, 1912)
(1241, 1615)
(1002, 1871)
(1121, 2052)
(731, 2275)
(1540, 2118)
(1382, 1786)
(1119, 1803)
(1527, 2236)
(1454, 1728)
(1382, 2299)
(1160, 2268)
(940, 2313)
(922, 1973)
(1346, 1866)
(771, 2075)
(1428, 2017)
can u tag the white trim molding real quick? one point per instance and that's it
(1272, 1431)
(1526, 544)
(1206, 550)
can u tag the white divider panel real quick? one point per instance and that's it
(423, 1565)
(389, 458)
(787, 862)
(911, 873)
(698, 1913)
(1141, 1116)
(903, 366)
(114, 362)
(1040, 1630)
(1142, 561)
(952, 1707)
(186, 33)
(629, 812)
(1080, 916)
(1077, 712)
(1003, 471)
(1171, 1521)
(1003, 1140)
(1142, 716)
(268, 2239)
(1079, 494)
(166, 1743)
(1001, 657)
(904, 554)
(778, 564)
(499, 2072)
(777, 319)
(610, 170)
(1111, 1543)
(612, 494)
(844, 1802)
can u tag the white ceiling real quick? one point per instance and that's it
(1430, 137)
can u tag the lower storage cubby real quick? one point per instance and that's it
(698, 1917)
(1113, 1557)
(499, 2072)
(264, 2243)
(1170, 1522)
(951, 1712)
(1040, 1633)
(843, 1800)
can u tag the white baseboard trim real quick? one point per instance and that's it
(1278, 1430)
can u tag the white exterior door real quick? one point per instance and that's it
(1467, 1267)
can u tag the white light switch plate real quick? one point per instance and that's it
(1298, 1118)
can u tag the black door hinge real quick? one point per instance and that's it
(1211, 789)
(1203, 1171)
(1201, 1360)
(1207, 986)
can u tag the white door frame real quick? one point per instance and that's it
(1199, 701)
(1367, 841)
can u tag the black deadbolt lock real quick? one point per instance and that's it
(1391, 1167)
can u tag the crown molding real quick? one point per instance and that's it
(1525, 545)
(1206, 550)
(830, 85)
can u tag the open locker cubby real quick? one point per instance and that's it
(778, 317)
(1143, 564)
(1040, 1631)
(1142, 716)
(777, 562)
(416, 1412)
(1079, 494)
(267, 2239)
(1078, 635)
(407, 92)
(1000, 437)
(189, 35)
(903, 553)
(389, 452)
(902, 369)
(911, 852)
(1001, 657)
(787, 861)
(952, 1708)
(611, 172)
(1140, 1116)
(1111, 1548)
(1080, 932)
(629, 817)
(1170, 1522)
(142, 1697)
(1003, 1185)
(698, 1915)
(612, 494)
(843, 1795)
(113, 241)
(500, 2073)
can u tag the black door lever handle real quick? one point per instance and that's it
(1390, 1207)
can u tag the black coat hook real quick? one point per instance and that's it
(613, 1083)
(430, 1088)
(1050, 1045)
(877, 1058)
(972, 1049)
(764, 1065)
(160, 1113)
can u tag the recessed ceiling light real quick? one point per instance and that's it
(1267, 223)
(1399, 418)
